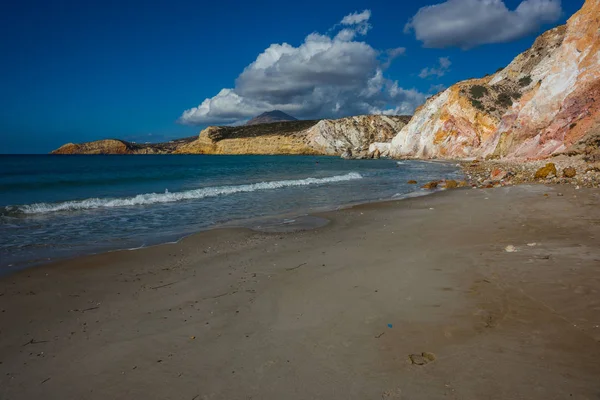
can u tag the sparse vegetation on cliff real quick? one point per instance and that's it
(525, 81)
(478, 91)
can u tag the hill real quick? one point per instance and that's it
(270, 117)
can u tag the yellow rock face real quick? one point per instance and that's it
(275, 144)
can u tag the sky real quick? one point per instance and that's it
(75, 71)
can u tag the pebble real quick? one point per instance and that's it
(510, 249)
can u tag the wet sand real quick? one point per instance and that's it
(330, 313)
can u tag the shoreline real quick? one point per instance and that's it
(478, 174)
(350, 307)
(251, 224)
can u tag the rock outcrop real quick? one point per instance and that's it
(545, 102)
(107, 146)
(354, 135)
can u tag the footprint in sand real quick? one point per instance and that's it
(421, 359)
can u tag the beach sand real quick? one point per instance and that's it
(329, 313)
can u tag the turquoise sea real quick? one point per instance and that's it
(54, 207)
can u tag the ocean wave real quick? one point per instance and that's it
(169, 197)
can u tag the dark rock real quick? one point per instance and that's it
(431, 185)
(569, 172)
(450, 184)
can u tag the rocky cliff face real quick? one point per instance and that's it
(328, 137)
(353, 135)
(268, 144)
(545, 102)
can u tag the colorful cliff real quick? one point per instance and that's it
(547, 101)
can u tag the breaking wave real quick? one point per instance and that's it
(168, 197)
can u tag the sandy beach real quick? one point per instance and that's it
(411, 299)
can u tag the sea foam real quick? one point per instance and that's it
(169, 197)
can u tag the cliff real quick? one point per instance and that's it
(545, 102)
(354, 135)
(327, 137)
(107, 146)
(116, 146)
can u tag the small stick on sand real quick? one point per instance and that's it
(167, 284)
(293, 268)
(33, 341)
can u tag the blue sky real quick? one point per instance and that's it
(76, 71)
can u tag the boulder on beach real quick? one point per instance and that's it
(569, 172)
(450, 184)
(412, 182)
(498, 174)
(546, 172)
(431, 185)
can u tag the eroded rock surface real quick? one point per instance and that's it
(545, 102)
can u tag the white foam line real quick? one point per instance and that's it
(167, 197)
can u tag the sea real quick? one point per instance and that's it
(54, 207)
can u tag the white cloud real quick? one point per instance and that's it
(356, 18)
(326, 76)
(470, 23)
(444, 66)
(224, 108)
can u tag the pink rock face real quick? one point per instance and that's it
(555, 90)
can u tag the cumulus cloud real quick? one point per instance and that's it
(439, 71)
(470, 23)
(328, 75)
